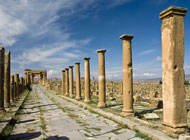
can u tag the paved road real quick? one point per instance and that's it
(46, 116)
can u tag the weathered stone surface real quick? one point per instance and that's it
(127, 75)
(184, 137)
(66, 81)
(151, 116)
(87, 79)
(78, 83)
(7, 79)
(71, 94)
(172, 30)
(63, 82)
(2, 51)
(101, 78)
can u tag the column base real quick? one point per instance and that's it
(2, 110)
(175, 130)
(87, 101)
(78, 98)
(7, 105)
(101, 105)
(128, 113)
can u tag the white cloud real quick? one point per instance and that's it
(148, 74)
(147, 52)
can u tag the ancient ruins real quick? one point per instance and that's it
(159, 110)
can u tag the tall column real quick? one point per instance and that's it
(63, 82)
(173, 90)
(12, 88)
(71, 81)
(25, 78)
(87, 79)
(101, 78)
(2, 52)
(66, 81)
(78, 84)
(127, 75)
(7, 79)
(17, 85)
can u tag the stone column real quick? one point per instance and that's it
(63, 82)
(2, 52)
(87, 79)
(78, 84)
(71, 81)
(7, 79)
(173, 90)
(66, 81)
(101, 78)
(25, 78)
(12, 88)
(127, 76)
(17, 85)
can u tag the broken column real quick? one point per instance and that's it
(101, 78)
(2, 52)
(127, 75)
(78, 84)
(71, 81)
(87, 80)
(66, 81)
(17, 85)
(63, 82)
(7, 79)
(12, 88)
(173, 90)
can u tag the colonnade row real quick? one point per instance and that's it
(173, 90)
(30, 74)
(11, 86)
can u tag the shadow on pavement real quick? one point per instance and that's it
(24, 136)
(57, 138)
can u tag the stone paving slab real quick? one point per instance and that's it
(7, 116)
(152, 133)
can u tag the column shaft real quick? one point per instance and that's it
(67, 81)
(71, 81)
(127, 75)
(78, 83)
(87, 80)
(12, 88)
(101, 78)
(173, 90)
(17, 85)
(2, 52)
(63, 82)
(7, 79)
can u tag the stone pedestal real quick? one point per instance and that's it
(101, 78)
(87, 80)
(127, 76)
(63, 82)
(2, 52)
(7, 79)
(17, 85)
(71, 81)
(173, 90)
(78, 84)
(66, 81)
(12, 88)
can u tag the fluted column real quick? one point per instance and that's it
(78, 84)
(173, 90)
(87, 79)
(101, 78)
(66, 81)
(2, 52)
(127, 75)
(7, 79)
(63, 82)
(71, 94)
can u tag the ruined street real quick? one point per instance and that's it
(45, 115)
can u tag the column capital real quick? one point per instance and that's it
(126, 37)
(101, 51)
(70, 66)
(86, 58)
(77, 63)
(66, 68)
(172, 10)
(63, 70)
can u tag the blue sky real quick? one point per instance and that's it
(53, 34)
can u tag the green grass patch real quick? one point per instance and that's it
(141, 135)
